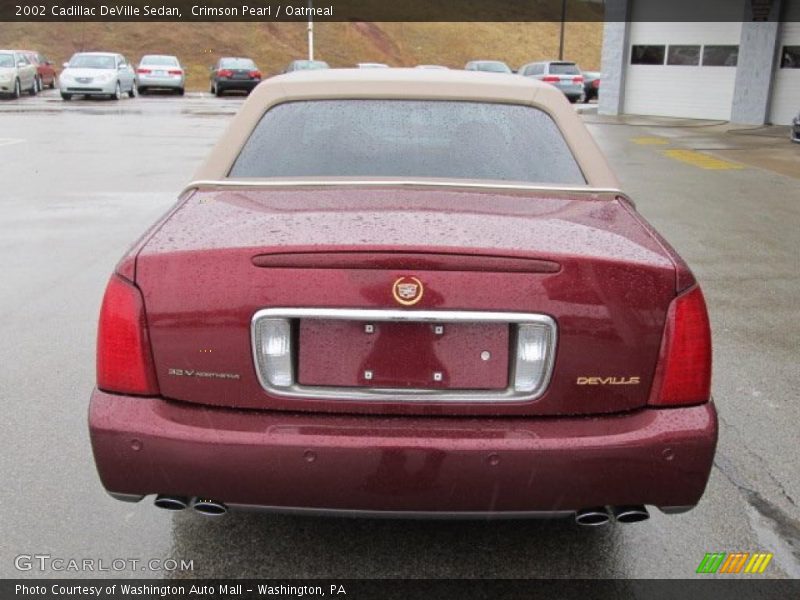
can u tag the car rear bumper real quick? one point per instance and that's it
(170, 82)
(237, 84)
(393, 465)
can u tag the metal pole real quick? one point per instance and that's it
(310, 31)
(561, 37)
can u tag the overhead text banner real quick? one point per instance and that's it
(383, 10)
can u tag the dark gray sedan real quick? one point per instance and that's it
(234, 73)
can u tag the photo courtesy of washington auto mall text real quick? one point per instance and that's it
(382, 300)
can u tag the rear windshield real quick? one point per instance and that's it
(408, 138)
(564, 69)
(493, 67)
(91, 61)
(163, 61)
(310, 64)
(237, 63)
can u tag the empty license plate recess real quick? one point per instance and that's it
(403, 355)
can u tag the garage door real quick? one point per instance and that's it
(682, 69)
(786, 87)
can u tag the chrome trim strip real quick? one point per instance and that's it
(402, 514)
(405, 395)
(268, 183)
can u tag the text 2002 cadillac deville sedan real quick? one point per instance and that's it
(400, 292)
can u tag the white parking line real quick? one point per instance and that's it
(10, 141)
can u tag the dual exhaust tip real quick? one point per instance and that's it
(595, 517)
(204, 506)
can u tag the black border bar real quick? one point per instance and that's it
(712, 588)
(396, 10)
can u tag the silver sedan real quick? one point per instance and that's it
(17, 74)
(97, 74)
(158, 71)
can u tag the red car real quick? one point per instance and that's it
(405, 292)
(46, 74)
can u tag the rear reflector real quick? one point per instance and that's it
(551, 79)
(683, 375)
(578, 79)
(534, 357)
(175, 72)
(124, 359)
(143, 71)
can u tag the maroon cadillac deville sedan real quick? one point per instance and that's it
(405, 293)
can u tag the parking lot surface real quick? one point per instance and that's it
(83, 179)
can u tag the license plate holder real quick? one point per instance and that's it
(403, 355)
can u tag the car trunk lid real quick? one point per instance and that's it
(582, 260)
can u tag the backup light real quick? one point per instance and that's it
(535, 351)
(274, 351)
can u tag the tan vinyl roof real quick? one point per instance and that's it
(418, 84)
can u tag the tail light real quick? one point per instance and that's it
(683, 375)
(596, 84)
(175, 72)
(578, 79)
(225, 73)
(551, 79)
(124, 359)
(255, 74)
(143, 71)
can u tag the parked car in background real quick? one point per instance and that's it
(489, 66)
(796, 129)
(535, 349)
(97, 74)
(372, 65)
(591, 85)
(306, 65)
(160, 72)
(46, 74)
(233, 73)
(564, 75)
(17, 74)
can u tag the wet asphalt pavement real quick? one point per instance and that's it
(82, 180)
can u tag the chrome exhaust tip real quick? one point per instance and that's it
(592, 517)
(171, 502)
(210, 508)
(630, 514)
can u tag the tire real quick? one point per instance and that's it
(572, 99)
(17, 90)
(34, 87)
(37, 81)
(181, 91)
(117, 95)
(52, 85)
(132, 91)
(66, 97)
(142, 91)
